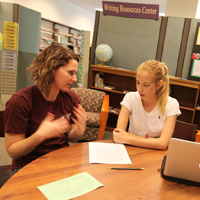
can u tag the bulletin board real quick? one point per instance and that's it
(194, 71)
(189, 48)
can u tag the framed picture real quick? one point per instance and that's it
(194, 70)
(198, 37)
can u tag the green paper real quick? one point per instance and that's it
(71, 187)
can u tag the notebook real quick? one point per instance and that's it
(183, 160)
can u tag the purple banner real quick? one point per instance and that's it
(134, 10)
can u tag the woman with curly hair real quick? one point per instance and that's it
(44, 117)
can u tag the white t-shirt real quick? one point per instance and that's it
(142, 122)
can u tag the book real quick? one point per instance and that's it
(109, 87)
(99, 80)
(96, 79)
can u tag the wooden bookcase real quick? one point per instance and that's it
(55, 33)
(185, 91)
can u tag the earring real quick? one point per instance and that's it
(157, 90)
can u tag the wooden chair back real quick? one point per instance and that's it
(185, 131)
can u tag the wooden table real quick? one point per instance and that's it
(118, 184)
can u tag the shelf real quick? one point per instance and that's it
(113, 70)
(59, 34)
(109, 128)
(56, 33)
(185, 91)
(184, 83)
(186, 108)
(46, 31)
(47, 39)
(62, 43)
(107, 90)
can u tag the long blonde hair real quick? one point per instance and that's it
(160, 72)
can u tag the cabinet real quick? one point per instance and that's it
(55, 33)
(122, 81)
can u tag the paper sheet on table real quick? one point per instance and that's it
(71, 187)
(108, 153)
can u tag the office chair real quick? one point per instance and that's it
(96, 105)
(185, 131)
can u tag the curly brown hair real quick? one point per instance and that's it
(45, 63)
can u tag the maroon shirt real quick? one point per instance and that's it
(24, 112)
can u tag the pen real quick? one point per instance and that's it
(125, 168)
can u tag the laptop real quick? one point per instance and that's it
(183, 160)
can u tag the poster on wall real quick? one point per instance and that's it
(1, 41)
(198, 38)
(132, 10)
(195, 72)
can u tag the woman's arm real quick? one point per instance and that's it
(121, 136)
(17, 145)
(123, 118)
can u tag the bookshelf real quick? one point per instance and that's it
(55, 33)
(123, 81)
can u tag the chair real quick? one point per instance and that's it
(4, 169)
(5, 173)
(185, 131)
(96, 105)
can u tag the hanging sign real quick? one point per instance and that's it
(134, 10)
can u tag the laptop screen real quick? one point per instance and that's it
(183, 160)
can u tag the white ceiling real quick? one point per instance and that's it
(91, 5)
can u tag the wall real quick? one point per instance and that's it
(181, 8)
(4, 158)
(135, 40)
(28, 46)
(61, 11)
(131, 39)
(29, 27)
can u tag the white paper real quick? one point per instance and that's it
(196, 68)
(108, 153)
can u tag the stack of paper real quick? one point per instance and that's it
(10, 35)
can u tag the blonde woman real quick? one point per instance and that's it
(150, 111)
